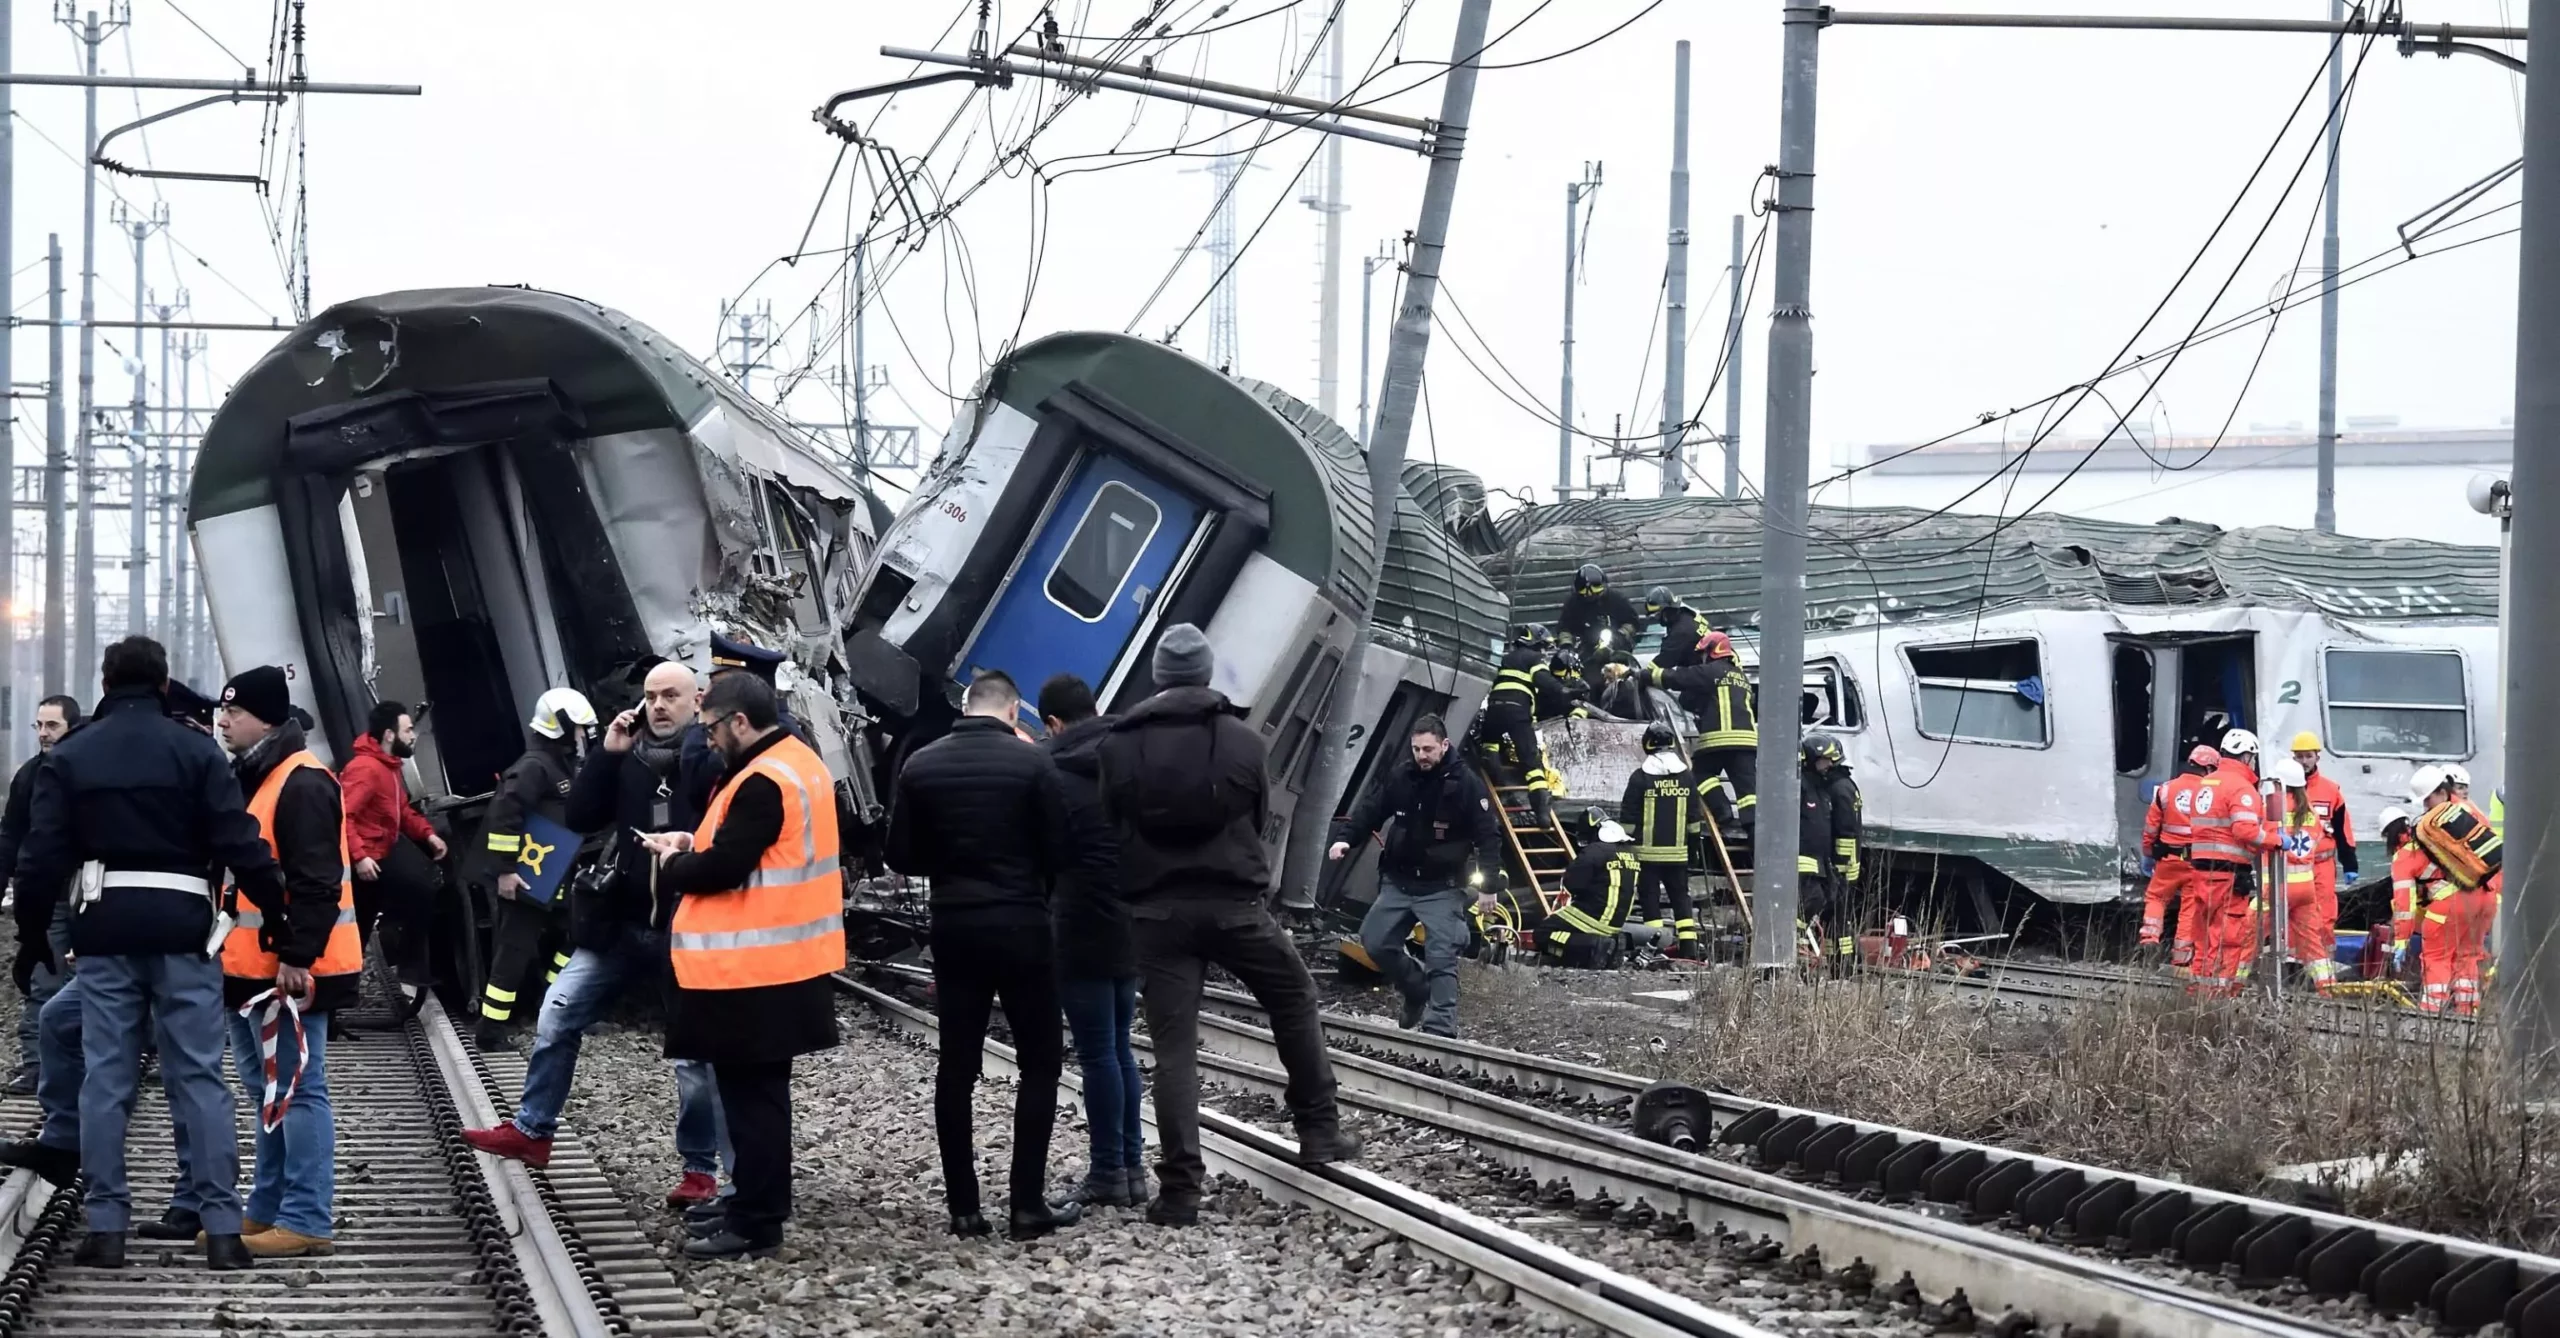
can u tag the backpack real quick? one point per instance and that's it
(1179, 798)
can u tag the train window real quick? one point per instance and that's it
(789, 541)
(1831, 697)
(1981, 692)
(2397, 703)
(2134, 675)
(1106, 544)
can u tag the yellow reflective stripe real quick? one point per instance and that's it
(759, 938)
(2435, 917)
(253, 918)
(505, 845)
(493, 1013)
(1808, 864)
(763, 877)
(502, 996)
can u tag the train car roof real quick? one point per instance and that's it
(1887, 565)
(612, 372)
(1432, 600)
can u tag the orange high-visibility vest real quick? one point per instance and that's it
(2226, 816)
(787, 923)
(242, 958)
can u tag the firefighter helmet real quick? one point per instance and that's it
(2306, 742)
(1566, 662)
(2288, 773)
(2457, 774)
(1821, 746)
(1715, 646)
(2393, 814)
(2204, 756)
(2423, 784)
(1660, 735)
(2239, 743)
(1591, 578)
(1587, 823)
(559, 710)
(1546, 636)
(1527, 634)
(1659, 598)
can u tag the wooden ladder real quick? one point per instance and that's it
(1541, 850)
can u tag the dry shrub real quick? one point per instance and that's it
(2210, 1092)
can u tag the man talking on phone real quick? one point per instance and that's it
(618, 918)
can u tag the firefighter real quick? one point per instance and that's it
(1719, 696)
(2310, 887)
(1597, 618)
(1602, 884)
(1661, 809)
(1679, 627)
(1562, 694)
(536, 786)
(2228, 839)
(2168, 827)
(1510, 733)
(2461, 888)
(1828, 830)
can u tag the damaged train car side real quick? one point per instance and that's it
(468, 495)
(1100, 488)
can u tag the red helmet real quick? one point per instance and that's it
(1715, 646)
(2204, 756)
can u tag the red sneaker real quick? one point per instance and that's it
(510, 1142)
(696, 1187)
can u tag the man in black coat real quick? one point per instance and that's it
(1443, 817)
(156, 807)
(618, 917)
(982, 814)
(1097, 963)
(1183, 779)
(54, 718)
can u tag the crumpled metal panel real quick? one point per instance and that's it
(648, 485)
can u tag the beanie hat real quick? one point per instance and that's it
(1183, 658)
(261, 692)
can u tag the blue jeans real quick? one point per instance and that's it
(42, 986)
(62, 1072)
(183, 993)
(297, 1169)
(587, 986)
(1442, 913)
(1099, 1014)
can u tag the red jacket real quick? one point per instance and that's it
(377, 803)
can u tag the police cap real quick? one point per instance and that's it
(730, 653)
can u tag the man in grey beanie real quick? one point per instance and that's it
(1183, 785)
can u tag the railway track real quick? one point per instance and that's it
(2064, 984)
(2061, 1240)
(432, 1237)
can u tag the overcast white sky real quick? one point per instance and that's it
(1997, 211)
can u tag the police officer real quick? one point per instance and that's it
(1597, 618)
(1660, 810)
(1510, 731)
(1679, 627)
(730, 653)
(1718, 695)
(142, 813)
(1827, 834)
(1442, 816)
(537, 785)
(1602, 883)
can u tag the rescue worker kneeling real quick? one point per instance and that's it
(1602, 882)
(1662, 809)
(282, 975)
(1441, 815)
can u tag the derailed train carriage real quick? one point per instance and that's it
(1098, 488)
(466, 496)
(2009, 696)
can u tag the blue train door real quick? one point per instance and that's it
(1094, 568)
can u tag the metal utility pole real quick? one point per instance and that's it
(190, 624)
(1398, 394)
(137, 574)
(57, 474)
(1786, 475)
(164, 507)
(1574, 194)
(84, 596)
(1369, 266)
(861, 370)
(2324, 512)
(1675, 302)
(2533, 697)
(10, 607)
(1329, 268)
(1221, 250)
(1733, 373)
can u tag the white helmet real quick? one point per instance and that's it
(2239, 743)
(2393, 814)
(2287, 773)
(2458, 774)
(554, 710)
(2423, 783)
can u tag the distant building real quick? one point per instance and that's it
(2392, 482)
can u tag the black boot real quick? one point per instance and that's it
(727, 1244)
(100, 1249)
(970, 1225)
(223, 1253)
(1105, 1187)
(1319, 1145)
(175, 1224)
(58, 1166)
(1042, 1218)
(1171, 1212)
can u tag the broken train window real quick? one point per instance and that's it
(2397, 703)
(1981, 692)
(791, 555)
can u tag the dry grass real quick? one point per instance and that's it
(2212, 1093)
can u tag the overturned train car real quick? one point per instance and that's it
(466, 496)
(1099, 488)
